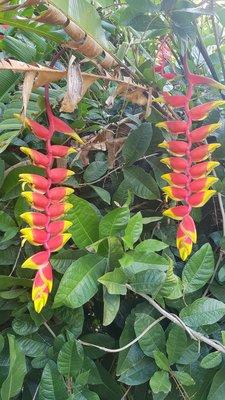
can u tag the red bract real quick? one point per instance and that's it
(189, 183)
(163, 58)
(46, 228)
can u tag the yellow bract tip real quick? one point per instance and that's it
(69, 173)
(164, 145)
(77, 138)
(72, 150)
(165, 161)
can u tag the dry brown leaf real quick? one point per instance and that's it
(44, 74)
(127, 89)
(74, 87)
(27, 88)
(136, 95)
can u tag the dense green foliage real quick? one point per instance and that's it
(120, 242)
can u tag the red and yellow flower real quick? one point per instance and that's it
(189, 183)
(49, 203)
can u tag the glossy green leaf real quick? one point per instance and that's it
(8, 226)
(95, 170)
(212, 360)
(160, 382)
(102, 193)
(7, 282)
(137, 143)
(150, 246)
(70, 359)
(141, 183)
(204, 311)
(184, 378)
(52, 386)
(161, 360)
(154, 339)
(218, 386)
(115, 281)
(176, 344)
(17, 371)
(198, 269)
(133, 230)
(83, 273)
(114, 222)
(85, 222)
(110, 308)
(135, 262)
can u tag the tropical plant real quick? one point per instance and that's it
(95, 92)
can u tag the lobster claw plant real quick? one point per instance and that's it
(48, 201)
(190, 182)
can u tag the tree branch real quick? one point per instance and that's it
(128, 344)
(176, 320)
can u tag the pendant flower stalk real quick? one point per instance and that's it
(189, 182)
(46, 226)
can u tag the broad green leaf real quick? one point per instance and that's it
(2, 342)
(8, 226)
(24, 325)
(160, 382)
(138, 369)
(80, 281)
(33, 345)
(70, 359)
(154, 339)
(8, 82)
(11, 187)
(114, 222)
(73, 320)
(63, 259)
(218, 386)
(7, 282)
(172, 288)
(52, 386)
(102, 193)
(100, 339)
(111, 307)
(176, 344)
(115, 281)
(84, 395)
(141, 183)
(133, 366)
(149, 282)
(2, 168)
(212, 360)
(17, 371)
(18, 49)
(161, 360)
(85, 222)
(143, 6)
(45, 31)
(133, 230)
(135, 262)
(95, 170)
(137, 143)
(94, 377)
(198, 269)
(203, 311)
(184, 378)
(150, 246)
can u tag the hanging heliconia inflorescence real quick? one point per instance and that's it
(49, 204)
(189, 181)
(163, 58)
